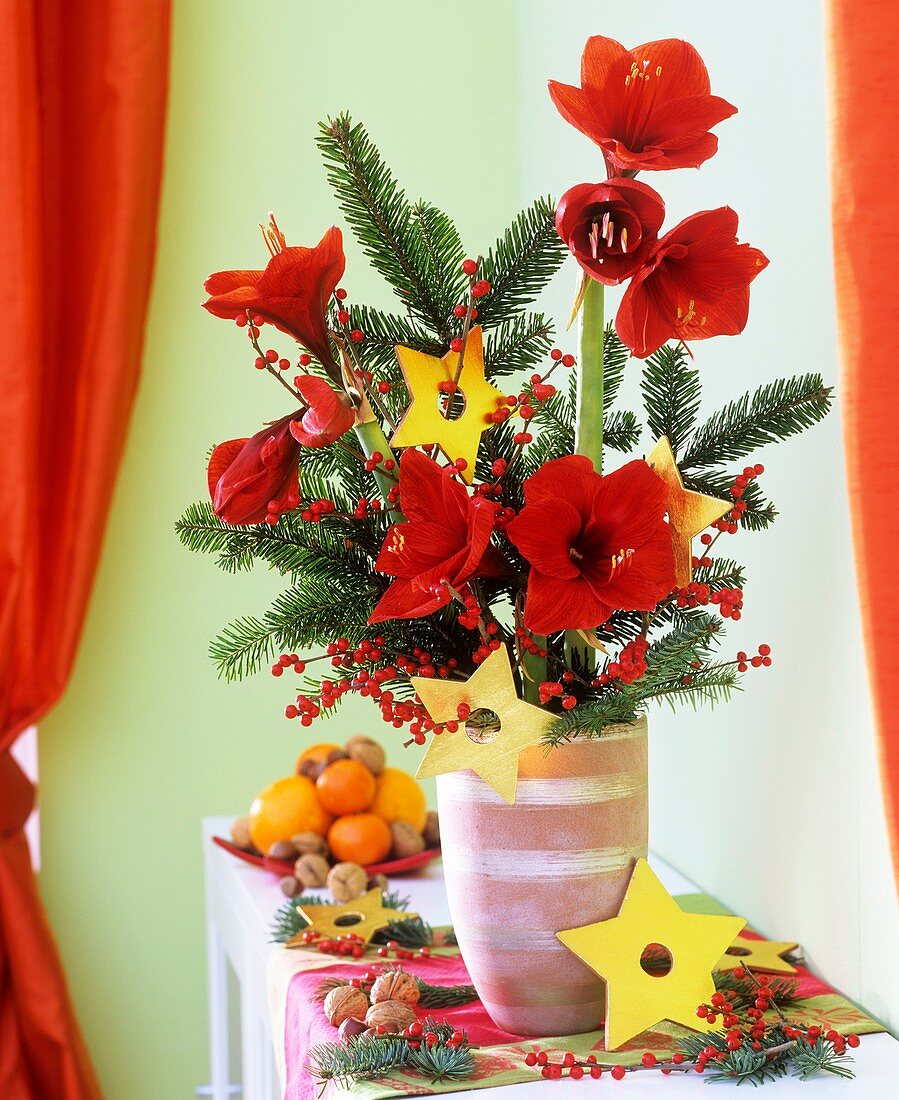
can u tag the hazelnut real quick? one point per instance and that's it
(406, 840)
(283, 850)
(311, 871)
(347, 881)
(349, 1028)
(393, 1015)
(289, 886)
(432, 830)
(240, 833)
(378, 882)
(367, 752)
(344, 1003)
(395, 985)
(333, 756)
(309, 844)
(312, 769)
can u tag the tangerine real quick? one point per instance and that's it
(317, 754)
(399, 798)
(360, 838)
(285, 808)
(345, 787)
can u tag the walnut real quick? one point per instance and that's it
(240, 834)
(367, 752)
(393, 1015)
(378, 882)
(309, 844)
(347, 881)
(344, 1003)
(432, 830)
(395, 985)
(289, 886)
(312, 871)
(406, 840)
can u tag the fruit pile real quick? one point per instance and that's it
(343, 805)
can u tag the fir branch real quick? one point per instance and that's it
(621, 430)
(390, 233)
(521, 263)
(518, 344)
(444, 996)
(774, 412)
(615, 359)
(819, 1057)
(672, 391)
(760, 512)
(359, 1057)
(442, 252)
(441, 1062)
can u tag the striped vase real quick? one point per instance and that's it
(560, 857)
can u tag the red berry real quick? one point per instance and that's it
(649, 1059)
(456, 344)
(469, 266)
(618, 1072)
(480, 288)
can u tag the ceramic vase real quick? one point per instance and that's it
(561, 856)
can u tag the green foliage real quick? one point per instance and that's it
(521, 263)
(615, 359)
(414, 247)
(760, 512)
(671, 394)
(517, 344)
(774, 412)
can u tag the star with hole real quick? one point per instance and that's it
(759, 955)
(424, 423)
(689, 513)
(363, 916)
(495, 759)
(649, 915)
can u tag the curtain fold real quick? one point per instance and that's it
(863, 44)
(84, 90)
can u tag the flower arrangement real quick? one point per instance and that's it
(437, 484)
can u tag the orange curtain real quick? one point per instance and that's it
(83, 87)
(863, 44)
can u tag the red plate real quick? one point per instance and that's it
(283, 867)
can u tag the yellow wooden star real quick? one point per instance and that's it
(689, 513)
(494, 759)
(424, 423)
(759, 955)
(635, 999)
(363, 916)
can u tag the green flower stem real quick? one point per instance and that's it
(535, 667)
(588, 423)
(371, 438)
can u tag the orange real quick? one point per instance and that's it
(287, 807)
(400, 798)
(361, 838)
(318, 754)
(345, 787)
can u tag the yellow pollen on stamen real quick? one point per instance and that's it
(397, 542)
(686, 318)
(658, 70)
(624, 241)
(620, 559)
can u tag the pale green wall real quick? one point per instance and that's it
(147, 741)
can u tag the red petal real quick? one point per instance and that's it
(683, 70)
(544, 533)
(233, 303)
(647, 578)
(329, 414)
(646, 315)
(629, 506)
(404, 600)
(553, 605)
(602, 62)
(222, 282)
(684, 120)
(575, 472)
(577, 109)
(220, 459)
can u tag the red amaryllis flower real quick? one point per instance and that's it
(292, 292)
(694, 285)
(595, 544)
(648, 108)
(610, 227)
(328, 415)
(254, 480)
(446, 538)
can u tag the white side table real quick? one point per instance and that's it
(240, 903)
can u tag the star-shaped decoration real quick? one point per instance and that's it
(494, 759)
(689, 513)
(759, 955)
(363, 916)
(424, 423)
(635, 999)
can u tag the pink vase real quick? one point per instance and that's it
(560, 857)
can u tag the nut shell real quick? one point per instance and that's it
(395, 985)
(347, 881)
(311, 871)
(344, 1003)
(290, 887)
(284, 850)
(349, 1028)
(367, 752)
(309, 844)
(393, 1015)
(406, 840)
(432, 830)
(378, 882)
(240, 834)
